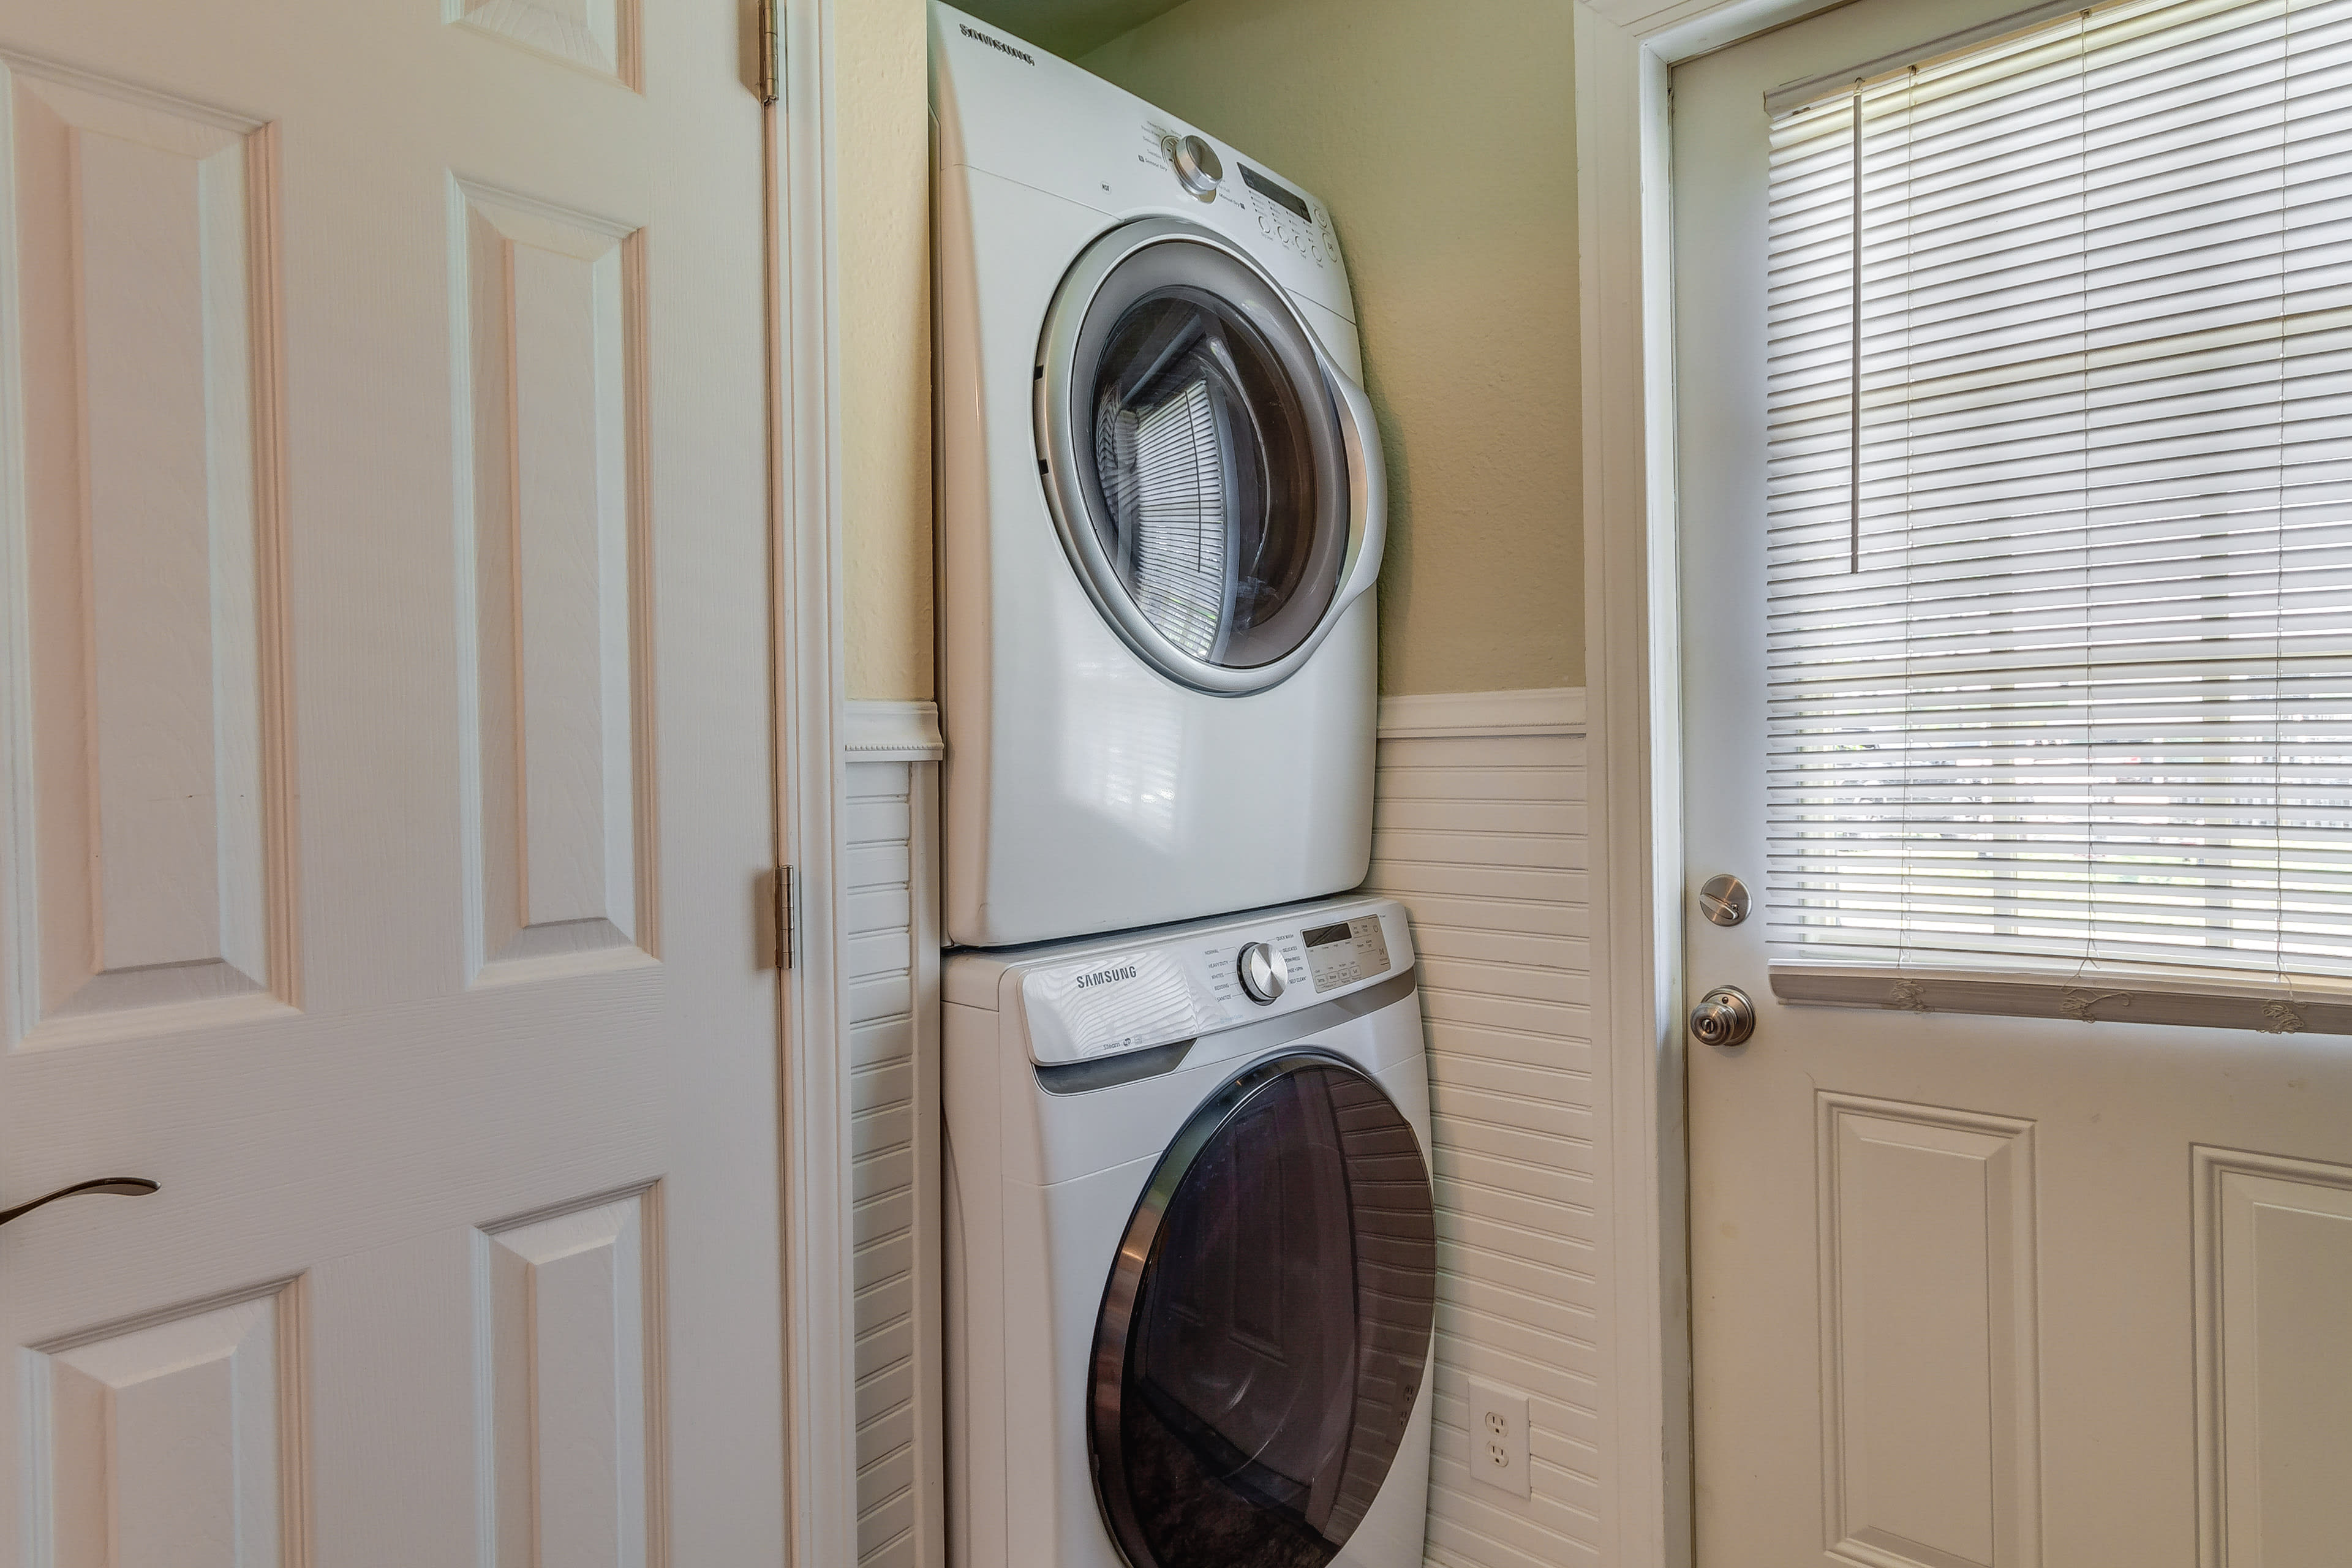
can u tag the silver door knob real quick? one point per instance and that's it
(1723, 1017)
(1261, 973)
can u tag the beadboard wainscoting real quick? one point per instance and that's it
(1479, 831)
(890, 950)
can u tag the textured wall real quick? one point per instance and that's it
(1442, 136)
(882, 238)
(1482, 838)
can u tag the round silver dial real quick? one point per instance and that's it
(1198, 168)
(1261, 973)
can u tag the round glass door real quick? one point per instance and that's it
(1266, 1325)
(1194, 457)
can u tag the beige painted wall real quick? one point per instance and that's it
(1441, 134)
(882, 237)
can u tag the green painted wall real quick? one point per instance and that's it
(882, 237)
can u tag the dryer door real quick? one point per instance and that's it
(1266, 1324)
(1215, 477)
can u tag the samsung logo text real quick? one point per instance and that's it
(997, 44)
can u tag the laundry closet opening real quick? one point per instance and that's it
(1376, 302)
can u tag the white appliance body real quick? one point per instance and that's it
(1088, 788)
(1049, 1159)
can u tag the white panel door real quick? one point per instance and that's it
(1967, 1293)
(384, 674)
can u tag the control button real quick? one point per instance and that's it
(1198, 168)
(1261, 973)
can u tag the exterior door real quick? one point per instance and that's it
(1967, 1288)
(388, 781)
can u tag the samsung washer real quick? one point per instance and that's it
(1191, 1249)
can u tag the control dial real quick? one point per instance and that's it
(1261, 973)
(1198, 168)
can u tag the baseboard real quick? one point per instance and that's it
(1546, 710)
(874, 730)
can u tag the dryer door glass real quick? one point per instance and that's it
(1266, 1326)
(1210, 468)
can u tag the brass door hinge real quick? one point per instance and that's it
(771, 51)
(787, 906)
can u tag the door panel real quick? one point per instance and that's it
(152, 636)
(389, 781)
(1954, 1277)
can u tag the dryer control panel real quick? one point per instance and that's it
(1130, 999)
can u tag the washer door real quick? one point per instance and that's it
(1266, 1325)
(1216, 480)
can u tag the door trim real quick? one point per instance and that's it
(1625, 50)
(820, 1494)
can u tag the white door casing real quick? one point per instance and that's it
(1964, 1291)
(389, 787)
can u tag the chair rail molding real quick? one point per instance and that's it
(1625, 50)
(889, 729)
(1543, 710)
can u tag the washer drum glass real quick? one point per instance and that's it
(1266, 1325)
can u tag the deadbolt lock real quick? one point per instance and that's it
(1724, 899)
(1723, 1017)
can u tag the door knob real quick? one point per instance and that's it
(1723, 1017)
(128, 1186)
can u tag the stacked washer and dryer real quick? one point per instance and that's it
(1191, 1238)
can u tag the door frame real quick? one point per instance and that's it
(1625, 53)
(820, 1494)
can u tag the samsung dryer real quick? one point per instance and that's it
(1163, 508)
(1192, 1248)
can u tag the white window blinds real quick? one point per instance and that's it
(2060, 501)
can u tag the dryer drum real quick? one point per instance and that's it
(1213, 474)
(1265, 1328)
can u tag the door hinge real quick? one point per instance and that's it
(787, 906)
(771, 51)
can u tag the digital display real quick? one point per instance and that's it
(1324, 936)
(1273, 191)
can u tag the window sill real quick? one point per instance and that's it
(2257, 1003)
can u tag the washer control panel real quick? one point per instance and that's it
(1127, 999)
(1345, 952)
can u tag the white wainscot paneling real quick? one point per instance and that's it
(1929, 1343)
(147, 828)
(1481, 834)
(553, 573)
(2275, 1359)
(567, 1309)
(173, 1440)
(890, 940)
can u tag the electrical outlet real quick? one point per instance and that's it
(1499, 1437)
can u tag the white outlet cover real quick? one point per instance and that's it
(1498, 1420)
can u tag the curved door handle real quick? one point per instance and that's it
(1368, 481)
(129, 1187)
